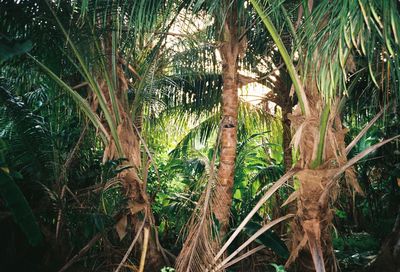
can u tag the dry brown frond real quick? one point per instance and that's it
(202, 235)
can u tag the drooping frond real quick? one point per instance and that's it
(201, 232)
(202, 132)
(344, 33)
(250, 117)
(17, 203)
(33, 148)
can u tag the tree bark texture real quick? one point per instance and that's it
(311, 229)
(138, 200)
(281, 96)
(283, 100)
(230, 104)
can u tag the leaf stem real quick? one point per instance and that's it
(286, 58)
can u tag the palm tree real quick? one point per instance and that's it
(113, 59)
(111, 56)
(335, 39)
(230, 51)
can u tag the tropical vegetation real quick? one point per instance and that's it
(173, 135)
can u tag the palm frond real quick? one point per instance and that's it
(20, 208)
(345, 31)
(303, 100)
(202, 233)
(17, 203)
(30, 129)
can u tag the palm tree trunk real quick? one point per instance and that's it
(138, 200)
(283, 100)
(287, 136)
(282, 90)
(286, 106)
(230, 104)
(311, 230)
(287, 154)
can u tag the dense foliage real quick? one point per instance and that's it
(116, 126)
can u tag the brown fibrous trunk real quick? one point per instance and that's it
(138, 201)
(230, 104)
(311, 228)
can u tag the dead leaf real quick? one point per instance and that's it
(136, 207)
(120, 227)
(293, 196)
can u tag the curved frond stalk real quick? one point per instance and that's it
(265, 197)
(92, 82)
(251, 239)
(357, 158)
(106, 69)
(303, 101)
(364, 130)
(244, 256)
(81, 102)
(198, 249)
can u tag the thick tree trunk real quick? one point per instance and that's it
(283, 100)
(311, 229)
(286, 141)
(129, 139)
(230, 103)
(282, 90)
(138, 200)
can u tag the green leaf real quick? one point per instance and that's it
(285, 56)
(278, 268)
(81, 102)
(268, 239)
(11, 48)
(19, 207)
